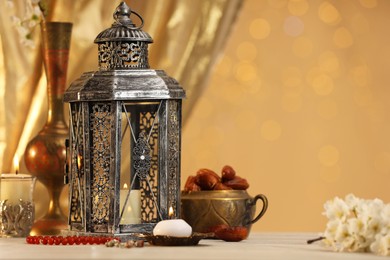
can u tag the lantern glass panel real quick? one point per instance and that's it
(139, 162)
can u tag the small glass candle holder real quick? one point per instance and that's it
(17, 209)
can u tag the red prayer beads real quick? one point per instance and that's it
(68, 240)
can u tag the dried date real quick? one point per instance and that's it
(232, 234)
(207, 179)
(237, 183)
(228, 173)
(191, 185)
(214, 229)
(221, 186)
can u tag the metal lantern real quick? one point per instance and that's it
(125, 135)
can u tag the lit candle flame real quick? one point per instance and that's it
(170, 212)
(125, 186)
(16, 163)
(79, 161)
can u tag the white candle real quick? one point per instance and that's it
(172, 227)
(14, 187)
(132, 212)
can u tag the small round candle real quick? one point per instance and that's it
(172, 227)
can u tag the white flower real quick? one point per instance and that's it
(15, 20)
(32, 23)
(352, 201)
(381, 246)
(374, 226)
(355, 226)
(341, 233)
(336, 209)
(25, 25)
(23, 31)
(371, 208)
(28, 43)
(385, 215)
(36, 13)
(358, 225)
(330, 232)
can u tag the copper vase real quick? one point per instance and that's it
(45, 153)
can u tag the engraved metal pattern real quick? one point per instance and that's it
(149, 187)
(173, 156)
(142, 157)
(123, 55)
(16, 219)
(100, 119)
(77, 173)
(205, 209)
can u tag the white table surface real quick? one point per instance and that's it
(265, 246)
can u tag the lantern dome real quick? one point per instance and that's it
(124, 72)
(123, 29)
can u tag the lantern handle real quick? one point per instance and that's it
(140, 18)
(122, 17)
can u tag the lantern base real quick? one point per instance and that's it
(125, 232)
(123, 236)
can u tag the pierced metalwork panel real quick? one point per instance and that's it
(123, 55)
(77, 184)
(149, 190)
(173, 156)
(100, 131)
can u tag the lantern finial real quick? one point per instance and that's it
(122, 14)
(122, 17)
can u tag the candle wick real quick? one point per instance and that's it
(16, 171)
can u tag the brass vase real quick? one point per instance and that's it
(45, 153)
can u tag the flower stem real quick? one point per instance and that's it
(311, 241)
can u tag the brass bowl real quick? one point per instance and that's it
(204, 210)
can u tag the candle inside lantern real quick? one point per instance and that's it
(132, 211)
(172, 227)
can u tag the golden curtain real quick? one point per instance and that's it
(188, 35)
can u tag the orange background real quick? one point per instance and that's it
(299, 106)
